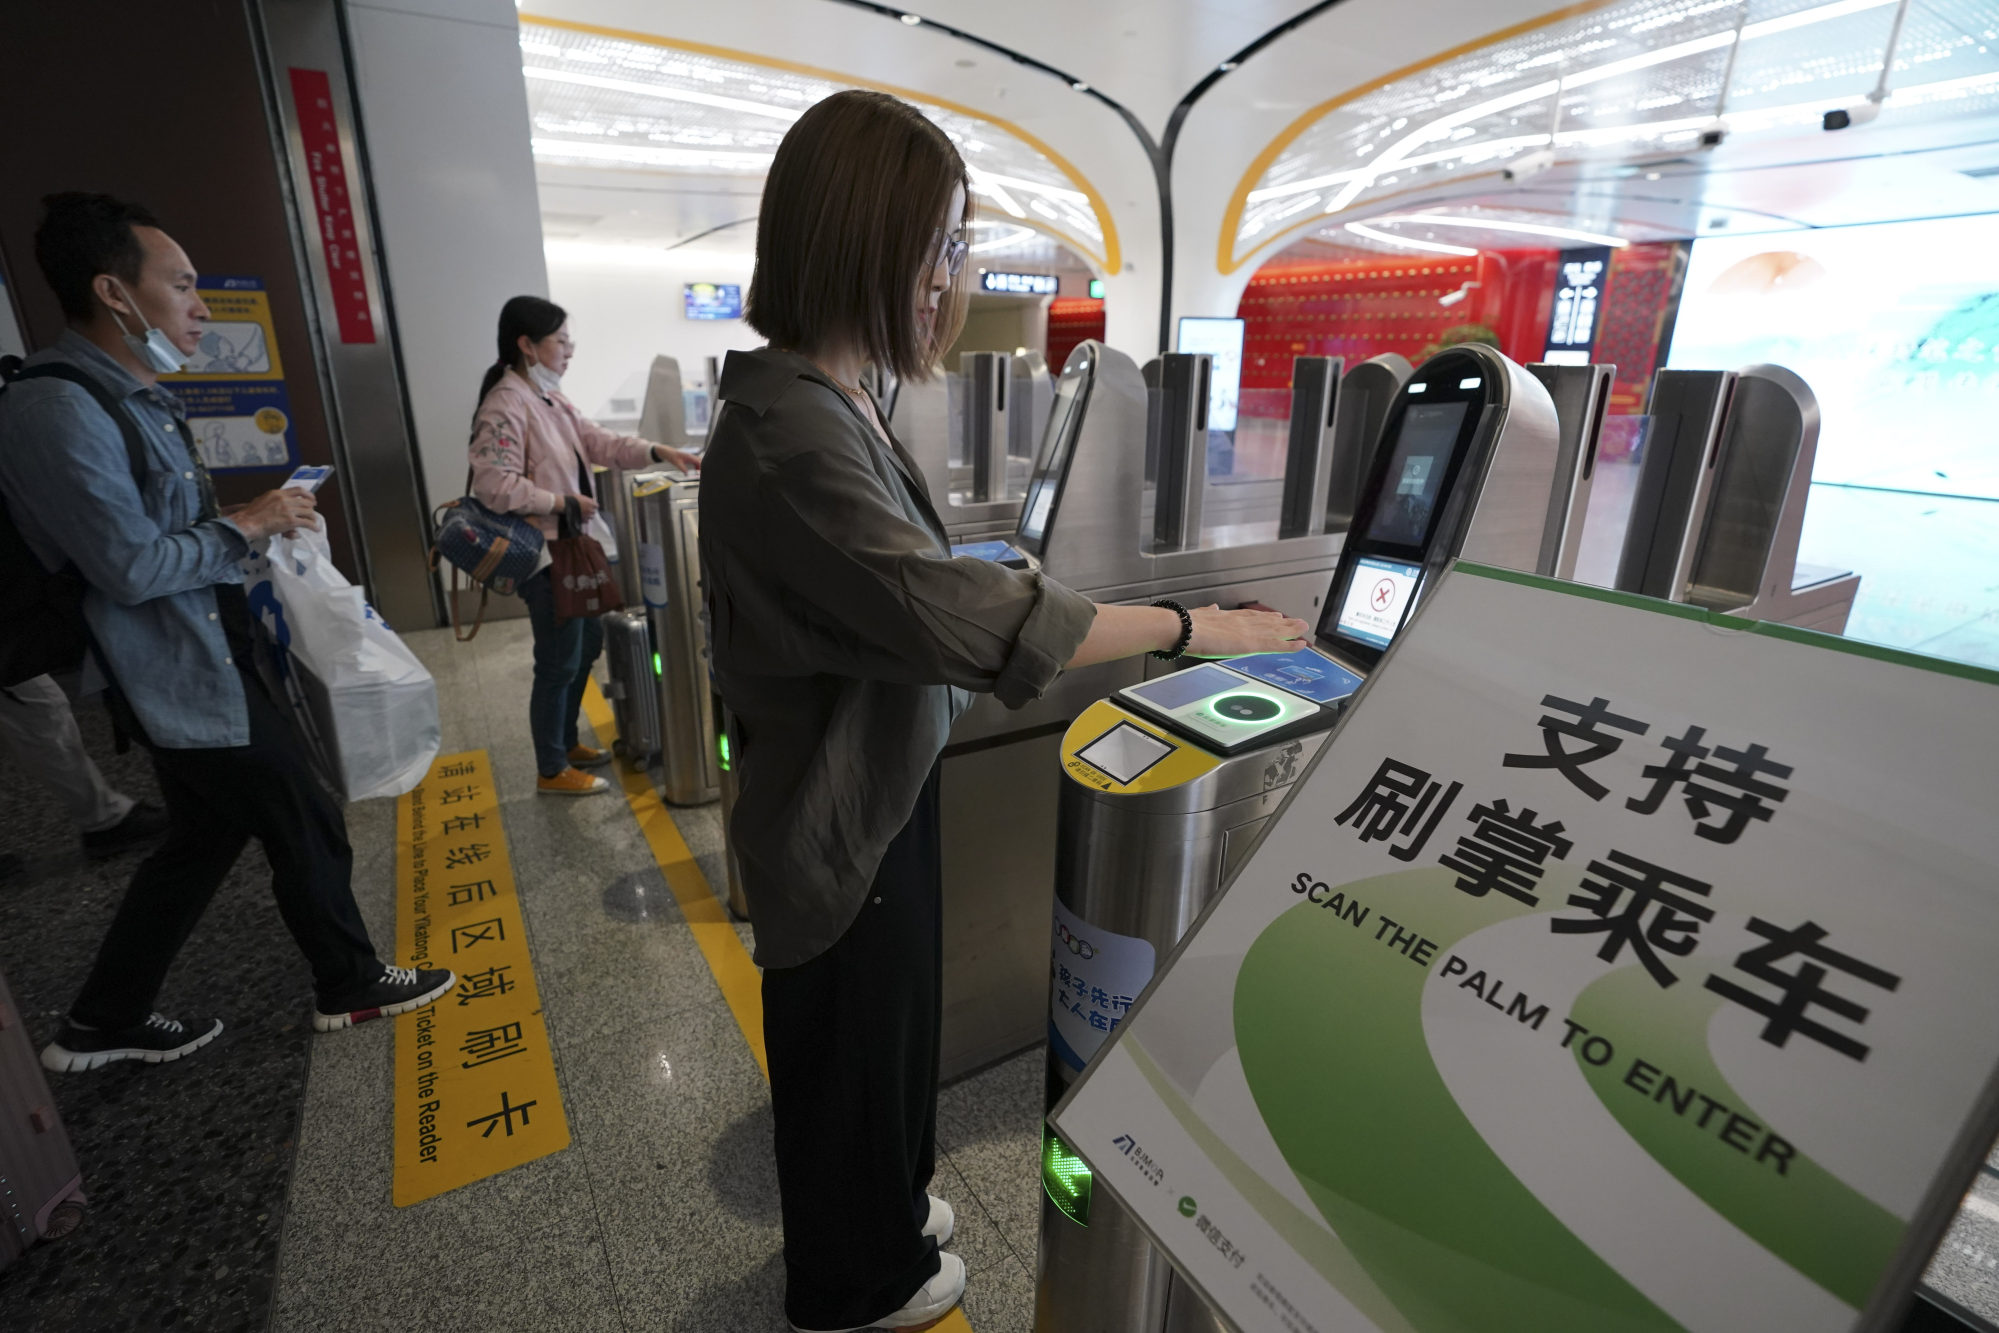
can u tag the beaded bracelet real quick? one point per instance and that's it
(1186, 631)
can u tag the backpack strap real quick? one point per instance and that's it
(135, 443)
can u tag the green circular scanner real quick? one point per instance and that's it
(1247, 707)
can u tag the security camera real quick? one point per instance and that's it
(1529, 164)
(1859, 113)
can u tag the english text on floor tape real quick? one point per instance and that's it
(475, 1076)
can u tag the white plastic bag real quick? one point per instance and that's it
(367, 704)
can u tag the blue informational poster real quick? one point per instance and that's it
(233, 389)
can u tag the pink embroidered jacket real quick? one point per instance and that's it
(525, 450)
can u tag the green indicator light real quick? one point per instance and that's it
(722, 751)
(655, 666)
(1065, 1178)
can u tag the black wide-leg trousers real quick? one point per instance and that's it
(852, 1040)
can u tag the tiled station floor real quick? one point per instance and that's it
(249, 1187)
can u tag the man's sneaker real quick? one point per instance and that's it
(142, 823)
(400, 990)
(157, 1041)
(932, 1301)
(942, 1221)
(571, 782)
(585, 756)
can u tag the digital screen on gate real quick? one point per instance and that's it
(1054, 460)
(1184, 687)
(1415, 476)
(1377, 598)
(714, 300)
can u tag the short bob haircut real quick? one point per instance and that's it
(845, 236)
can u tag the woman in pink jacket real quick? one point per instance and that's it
(531, 454)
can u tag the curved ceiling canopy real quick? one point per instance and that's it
(606, 99)
(1610, 79)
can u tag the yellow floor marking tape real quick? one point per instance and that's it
(475, 1076)
(739, 978)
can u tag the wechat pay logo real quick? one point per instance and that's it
(1188, 1207)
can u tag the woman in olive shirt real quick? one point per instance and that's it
(846, 639)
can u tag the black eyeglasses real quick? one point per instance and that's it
(949, 251)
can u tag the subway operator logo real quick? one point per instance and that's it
(1082, 948)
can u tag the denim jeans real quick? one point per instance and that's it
(564, 652)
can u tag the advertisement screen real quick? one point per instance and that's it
(1222, 340)
(1896, 329)
(714, 300)
(1377, 599)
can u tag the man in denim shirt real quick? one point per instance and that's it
(166, 609)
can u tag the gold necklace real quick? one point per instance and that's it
(851, 390)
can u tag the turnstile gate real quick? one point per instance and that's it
(1159, 803)
(666, 506)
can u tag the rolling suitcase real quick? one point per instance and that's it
(634, 690)
(41, 1189)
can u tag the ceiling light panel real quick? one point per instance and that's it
(607, 102)
(1632, 77)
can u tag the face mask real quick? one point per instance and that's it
(155, 348)
(544, 379)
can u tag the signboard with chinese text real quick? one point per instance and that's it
(1580, 279)
(332, 210)
(475, 1076)
(1019, 284)
(233, 389)
(1609, 971)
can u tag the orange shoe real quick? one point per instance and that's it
(571, 782)
(583, 756)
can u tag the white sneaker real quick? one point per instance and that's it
(932, 1301)
(941, 1222)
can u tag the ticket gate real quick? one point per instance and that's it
(614, 497)
(666, 506)
(1350, 405)
(1092, 524)
(1168, 783)
(1720, 501)
(973, 433)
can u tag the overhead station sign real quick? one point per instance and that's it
(1615, 968)
(1019, 284)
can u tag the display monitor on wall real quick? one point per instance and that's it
(1222, 340)
(714, 300)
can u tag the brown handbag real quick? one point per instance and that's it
(578, 574)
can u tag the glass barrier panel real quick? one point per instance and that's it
(1620, 451)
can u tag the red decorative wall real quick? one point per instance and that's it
(1362, 308)
(1640, 301)
(1071, 320)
